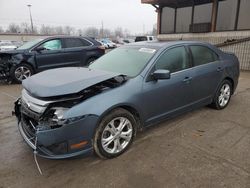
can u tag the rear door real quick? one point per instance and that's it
(52, 56)
(75, 51)
(163, 98)
(208, 72)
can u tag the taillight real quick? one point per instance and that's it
(101, 47)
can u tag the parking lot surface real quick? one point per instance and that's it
(203, 148)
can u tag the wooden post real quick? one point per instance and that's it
(237, 16)
(175, 17)
(214, 15)
(159, 17)
(192, 19)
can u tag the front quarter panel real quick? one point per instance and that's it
(127, 94)
(24, 57)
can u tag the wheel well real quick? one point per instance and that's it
(92, 57)
(24, 62)
(88, 59)
(230, 80)
(133, 111)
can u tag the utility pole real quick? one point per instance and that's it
(102, 30)
(31, 22)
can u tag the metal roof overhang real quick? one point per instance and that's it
(177, 3)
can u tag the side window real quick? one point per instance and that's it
(174, 60)
(86, 43)
(73, 42)
(52, 44)
(202, 55)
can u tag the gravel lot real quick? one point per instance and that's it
(204, 148)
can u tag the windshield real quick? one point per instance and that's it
(124, 60)
(29, 44)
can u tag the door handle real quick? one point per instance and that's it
(219, 69)
(187, 79)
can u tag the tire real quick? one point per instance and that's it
(90, 60)
(223, 95)
(109, 141)
(21, 72)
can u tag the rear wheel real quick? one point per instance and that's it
(223, 95)
(114, 134)
(21, 72)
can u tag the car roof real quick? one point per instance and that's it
(92, 40)
(164, 44)
(66, 36)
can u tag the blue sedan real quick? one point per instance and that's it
(73, 111)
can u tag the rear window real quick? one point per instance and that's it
(86, 43)
(203, 55)
(75, 42)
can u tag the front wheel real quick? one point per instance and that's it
(21, 72)
(114, 134)
(223, 95)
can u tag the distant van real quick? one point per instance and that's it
(144, 38)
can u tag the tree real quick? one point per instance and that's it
(91, 32)
(119, 32)
(58, 30)
(107, 33)
(80, 32)
(1, 30)
(25, 28)
(154, 31)
(68, 30)
(13, 28)
(126, 33)
(46, 30)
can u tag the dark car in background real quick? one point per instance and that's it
(101, 107)
(42, 54)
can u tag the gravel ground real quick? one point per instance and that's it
(203, 148)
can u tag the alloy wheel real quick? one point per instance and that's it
(225, 93)
(22, 73)
(116, 135)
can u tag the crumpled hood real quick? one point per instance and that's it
(64, 81)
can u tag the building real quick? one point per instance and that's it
(20, 37)
(225, 23)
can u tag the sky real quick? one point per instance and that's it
(128, 14)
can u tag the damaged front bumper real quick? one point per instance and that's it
(67, 141)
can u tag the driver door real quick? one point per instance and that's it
(167, 97)
(51, 56)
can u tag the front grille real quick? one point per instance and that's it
(29, 127)
(33, 104)
(28, 112)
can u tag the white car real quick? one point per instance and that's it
(109, 43)
(7, 45)
(144, 38)
(104, 44)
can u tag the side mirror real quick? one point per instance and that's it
(161, 74)
(40, 48)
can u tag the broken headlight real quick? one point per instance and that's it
(58, 113)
